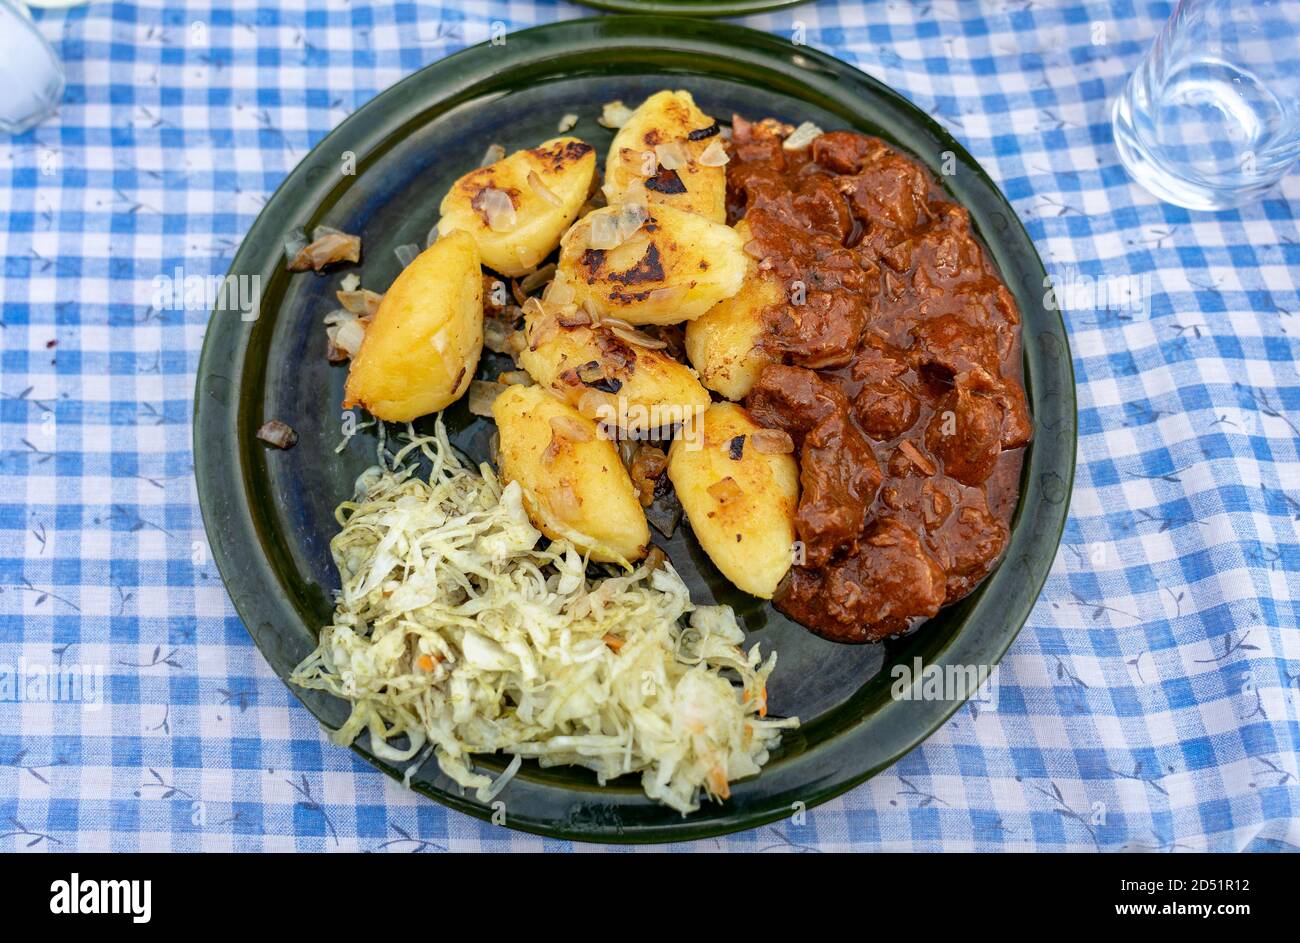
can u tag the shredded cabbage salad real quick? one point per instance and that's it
(459, 630)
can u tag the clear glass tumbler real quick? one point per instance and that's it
(31, 78)
(1211, 118)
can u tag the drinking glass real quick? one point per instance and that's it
(31, 78)
(1211, 118)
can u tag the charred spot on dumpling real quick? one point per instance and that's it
(699, 134)
(629, 297)
(562, 153)
(592, 261)
(665, 181)
(616, 352)
(649, 269)
(605, 384)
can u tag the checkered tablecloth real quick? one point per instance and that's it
(1150, 702)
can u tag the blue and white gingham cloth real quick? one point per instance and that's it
(1149, 703)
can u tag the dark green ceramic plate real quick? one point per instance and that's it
(269, 514)
(692, 7)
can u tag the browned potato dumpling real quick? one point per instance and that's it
(722, 343)
(575, 487)
(739, 487)
(652, 265)
(606, 377)
(517, 209)
(422, 345)
(669, 153)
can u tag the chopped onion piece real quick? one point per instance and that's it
(559, 291)
(515, 378)
(604, 233)
(542, 190)
(432, 236)
(351, 282)
(633, 336)
(566, 427)
(772, 442)
(363, 303)
(715, 155)
(614, 114)
(537, 278)
(406, 254)
(277, 434)
(327, 247)
(294, 243)
(573, 316)
(671, 155)
(801, 137)
(631, 217)
(497, 207)
(345, 339)
(493, 154)
(482, 394)
(496, 336)
(541, 330)
(567, 123)
(666, 293)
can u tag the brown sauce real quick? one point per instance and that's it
(896, 370)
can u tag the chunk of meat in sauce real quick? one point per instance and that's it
(965, 433)
(890, 583)
(951, 348)
(943, 257)
(817, 202)
(967, 545)
(838, 478)
(885, 406)
(819, 333)
(794, 399)
(890, 197)
(1017, 427)
(907, 344)
(844, 152)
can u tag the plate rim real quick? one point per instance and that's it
(229, 524)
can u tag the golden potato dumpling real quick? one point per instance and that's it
(669, 128)
(517, 209)
(673, 267)
(739, 497)
(575, 487)
(722, 343)
(422, 345)
(607, 378)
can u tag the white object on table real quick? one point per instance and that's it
(31, 77)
